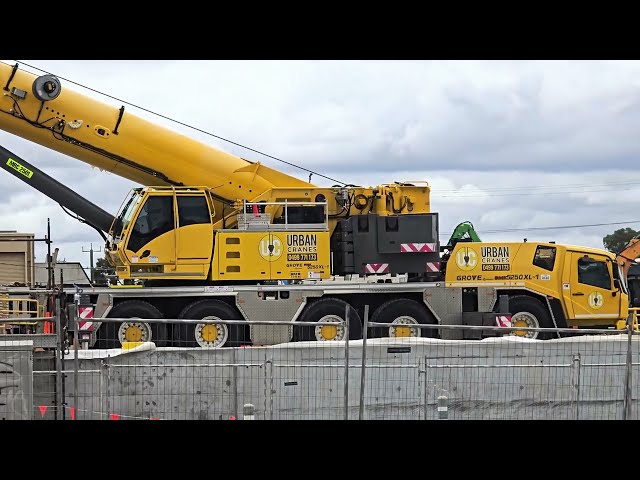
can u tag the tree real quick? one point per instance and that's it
(616, 241)
(101, 270)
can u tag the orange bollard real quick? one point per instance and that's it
(47, 323)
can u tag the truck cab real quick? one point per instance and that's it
(548, 284)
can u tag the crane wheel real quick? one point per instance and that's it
(211, 335)
(529, 312)
(113, 335)
(401, 313)
(329, 310)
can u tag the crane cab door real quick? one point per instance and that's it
(588, 289)
(194, 236)
(152, 241)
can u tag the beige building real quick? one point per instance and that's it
(16, 258)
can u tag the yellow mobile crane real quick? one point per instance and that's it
(213, 235)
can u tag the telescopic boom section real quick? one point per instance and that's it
(31, 175)
(110, 138)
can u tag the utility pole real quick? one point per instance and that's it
(91, 250)
(49, 260)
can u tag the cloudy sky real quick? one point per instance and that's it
(512, 146)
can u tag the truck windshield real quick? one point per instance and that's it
(126, 212)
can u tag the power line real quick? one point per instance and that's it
(586, 225)
(556, 186)
(440, 192)
(185, 124)
(482, 193)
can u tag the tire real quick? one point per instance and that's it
(211, 335)
(326, 310)
(107, 335)
(531, 311)
(403, 311)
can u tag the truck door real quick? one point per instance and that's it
(589, 290)
(271, 250)
(152, 238)
(194, 235)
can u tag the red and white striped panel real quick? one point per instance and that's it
(376, 268)
(417, 247)
(85, 313)
(432, 267)
(503, 321)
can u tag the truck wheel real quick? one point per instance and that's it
(530, 312)
(403, 313)
(112, 335)
(211, 335)
(327, 310)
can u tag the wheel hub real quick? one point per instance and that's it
(211, 335)
(328, 333)
(524, 320)
(134, 332)
(402, 330)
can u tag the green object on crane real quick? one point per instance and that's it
(464, 232)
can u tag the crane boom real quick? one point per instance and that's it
(31, 175)
(124, 144)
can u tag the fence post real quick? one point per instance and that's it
(576, 383)
(443, 407)
(626, 412)
(346, 362)
(365, 327)
(268, 365)
(424, 392)
(235, 382)
(76, 360)
(59, 356)
(108, 389)
(248, 411)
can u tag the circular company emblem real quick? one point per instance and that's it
(595, 300)
(466, 258)
(270, 248)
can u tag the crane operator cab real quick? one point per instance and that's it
(174, 233)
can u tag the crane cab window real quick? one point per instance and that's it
(545, 257)
(193, 210)
(154, 219)
(593, 272)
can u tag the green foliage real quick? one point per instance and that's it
(617, 240)
(101, 270)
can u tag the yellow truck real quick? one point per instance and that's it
(213, 235)
(548, 284)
